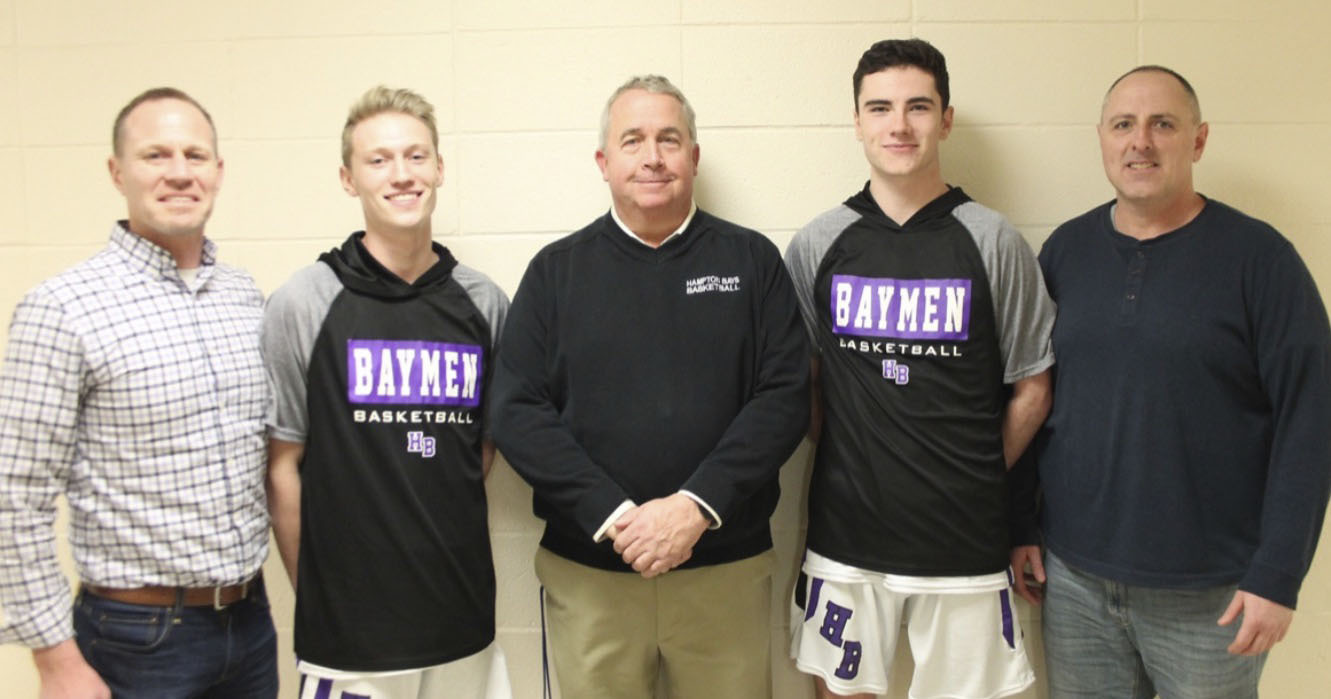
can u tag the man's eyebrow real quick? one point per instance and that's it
(1130, 115)
(921, 99)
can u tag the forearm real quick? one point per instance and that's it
(541, 448)
(815, 400)
(1031, 400)
(769, 426)
(34, 592)
(487, 457)
(284, 501)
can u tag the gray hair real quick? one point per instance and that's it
(655, 84)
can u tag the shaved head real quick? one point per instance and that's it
(1182, 81)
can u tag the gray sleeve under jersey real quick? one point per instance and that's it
(292, 319)
(804, 255)
(493, 304)
(488, 297)
(1022, 306)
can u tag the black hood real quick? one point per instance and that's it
(863, 204)
(361, 273)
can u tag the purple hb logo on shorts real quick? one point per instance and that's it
(413, 372)
(832, 629)
(907, 309)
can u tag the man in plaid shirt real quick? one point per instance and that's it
(133, 384)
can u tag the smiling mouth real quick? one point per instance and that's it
(404, 196)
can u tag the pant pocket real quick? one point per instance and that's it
(123, 626)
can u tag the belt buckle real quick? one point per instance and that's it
(217, 595)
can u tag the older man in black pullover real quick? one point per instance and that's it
(653, 380)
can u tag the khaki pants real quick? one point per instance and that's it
(706, 630)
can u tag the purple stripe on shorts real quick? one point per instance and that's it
(1009, 634)
(324, 689)
(349, 695)
(815, 589)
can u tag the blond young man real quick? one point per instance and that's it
(379, 355)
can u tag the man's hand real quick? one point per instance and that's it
(1264, 623)
(659, 534)
(66, 675)
(1028, 573)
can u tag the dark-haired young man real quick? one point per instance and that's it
(133, 385)
(1186, 465)
(931, 330)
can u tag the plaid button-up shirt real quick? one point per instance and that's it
(141, 397)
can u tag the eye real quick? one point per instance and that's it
(1122, 124)
(1165, 124)
(919, 107)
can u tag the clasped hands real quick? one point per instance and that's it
(658, 535)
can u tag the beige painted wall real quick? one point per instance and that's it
(519, 85)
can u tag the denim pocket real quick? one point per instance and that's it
(124, 626)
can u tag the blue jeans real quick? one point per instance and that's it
(178, 652)
(1107, 639)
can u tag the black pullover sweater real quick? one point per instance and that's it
(631, 372)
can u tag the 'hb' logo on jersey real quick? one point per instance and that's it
(899, 373)
(418, 443)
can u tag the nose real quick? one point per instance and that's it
(652, 154)
(401, 172)
(1141, 137)
(177, 169)
(898, 122)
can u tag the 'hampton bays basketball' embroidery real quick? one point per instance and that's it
(711, 283)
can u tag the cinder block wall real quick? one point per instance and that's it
(519, 85)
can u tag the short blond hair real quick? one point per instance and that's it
(380, 99)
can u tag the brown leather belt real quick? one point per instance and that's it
(163, 596)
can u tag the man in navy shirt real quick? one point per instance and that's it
(1186, 463)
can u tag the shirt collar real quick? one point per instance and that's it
(150, 259)
(693, 209)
